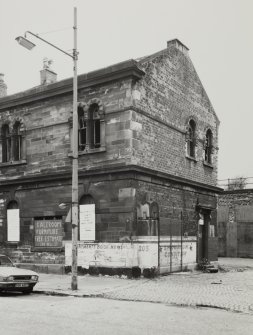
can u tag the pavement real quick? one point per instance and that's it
(230, 289)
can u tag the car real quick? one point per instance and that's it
(15, 279)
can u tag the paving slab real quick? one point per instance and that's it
(230, 289)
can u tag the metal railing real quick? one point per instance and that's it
(238, 183)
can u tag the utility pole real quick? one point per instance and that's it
(74, 204)
(74, 284)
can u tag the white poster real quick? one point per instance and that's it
(13, 225)
(87, 222)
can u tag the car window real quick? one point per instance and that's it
(5, 261)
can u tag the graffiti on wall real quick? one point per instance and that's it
(144, 255)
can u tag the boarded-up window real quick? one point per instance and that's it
(13, 225)
(87, 222)
(87, 219)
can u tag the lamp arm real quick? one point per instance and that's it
(52, 45)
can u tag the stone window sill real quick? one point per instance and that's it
(46, 249)
(11, 243)
(13, 163)
(191, 158)
(208, 165)
(89, 151)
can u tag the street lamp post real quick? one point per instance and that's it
(74, 211)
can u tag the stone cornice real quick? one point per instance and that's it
(127, 69)
(130, 171)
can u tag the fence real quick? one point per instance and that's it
(238, 183)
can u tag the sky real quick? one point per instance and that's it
(217, 32)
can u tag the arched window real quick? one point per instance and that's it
(148, 217)
(12, 143)
(82, 131)
(13, 222)
(6, 143)
(86, 200)
(94, 129)
(191, 139)
(89, 132)
(208, 146)
(154, 211)
(16, 142)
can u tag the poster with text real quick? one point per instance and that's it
(13, 225)
(87, 222)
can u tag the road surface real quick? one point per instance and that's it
(51, 315)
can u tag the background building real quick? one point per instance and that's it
(235, 218)
(148, 143)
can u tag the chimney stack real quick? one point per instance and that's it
(179, 45)
(47, 76)
(3, 86)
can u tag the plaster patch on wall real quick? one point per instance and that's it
(113, 121)
(136, 125)
(128, 192)
(136, 95)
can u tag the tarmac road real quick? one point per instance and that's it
(39, 314)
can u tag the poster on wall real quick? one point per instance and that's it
(13, 225)
(87, 222)
(48, 233)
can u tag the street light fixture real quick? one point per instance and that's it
(25, 42)
(74, 211)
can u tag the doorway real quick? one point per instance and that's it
(203, 229)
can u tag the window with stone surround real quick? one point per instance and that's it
(191, 139)
(6, 143)
(12, 148)
(16, 142)
(147, 219)
(208, 147)
(91, 128)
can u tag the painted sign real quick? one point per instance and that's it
(48, 233)
(13, 225)
(87, 222)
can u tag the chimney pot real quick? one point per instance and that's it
(47, 76)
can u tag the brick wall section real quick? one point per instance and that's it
(177, 209)
(145, 123)
(47, 134)
(170, 94)
(115, 212)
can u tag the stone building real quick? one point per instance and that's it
(147, 166)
